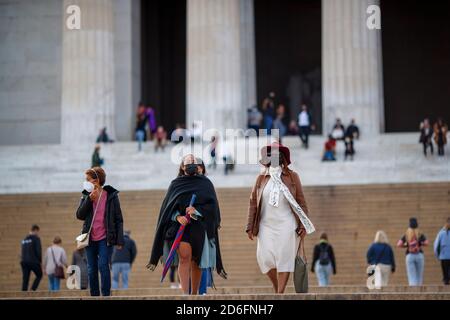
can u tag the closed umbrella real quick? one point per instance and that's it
(176, 242)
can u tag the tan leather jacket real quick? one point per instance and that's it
(292, 181)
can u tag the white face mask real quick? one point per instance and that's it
(88, 186)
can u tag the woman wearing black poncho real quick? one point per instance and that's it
(199, 246)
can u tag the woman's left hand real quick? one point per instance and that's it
(119, 247)
(301, 232)
(190, 211)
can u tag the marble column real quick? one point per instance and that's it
(352, 75)
(127, 65)
(88, 99)
(220, 62)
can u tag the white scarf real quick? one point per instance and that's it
(274, 198)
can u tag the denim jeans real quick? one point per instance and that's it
(140, 135)
(205, 281)
(414, 268)
(98, 258)
(53, 283)
(323, 273)
(118, 269)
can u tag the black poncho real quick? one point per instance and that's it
(177, 198)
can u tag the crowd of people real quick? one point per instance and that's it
(271, 116)
(437, 132)
(380, 254)
(55, 261)
(341, 134)
(278, 219)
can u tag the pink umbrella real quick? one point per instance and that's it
(176, 242)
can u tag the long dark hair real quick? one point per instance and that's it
(180, 169)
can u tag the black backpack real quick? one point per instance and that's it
(324, 257)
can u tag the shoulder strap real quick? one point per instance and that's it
(53, 255)
(95, 211)
(302, 245)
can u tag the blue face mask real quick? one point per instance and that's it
(191, 169)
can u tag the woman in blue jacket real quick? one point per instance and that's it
(380, 255)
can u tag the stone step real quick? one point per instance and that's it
(349, 214)
(268, 296)
(230, 291)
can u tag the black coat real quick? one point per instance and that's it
(177, 199)
(113, 215)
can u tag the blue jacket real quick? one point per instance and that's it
(381, 253)
(442, 245)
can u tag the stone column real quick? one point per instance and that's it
(220, 62)
(88, 100)
(248, 59)
(352, 72)
(127, 65)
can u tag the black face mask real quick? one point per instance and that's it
(191, 169)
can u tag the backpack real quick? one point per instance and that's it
(413, 245)
(324, 257)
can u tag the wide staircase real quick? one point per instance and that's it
(349, 214)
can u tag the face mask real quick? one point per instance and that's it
(191, 169)
(88, 186)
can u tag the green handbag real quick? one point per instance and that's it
(301, 271)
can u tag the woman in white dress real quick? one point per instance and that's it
(277, 216)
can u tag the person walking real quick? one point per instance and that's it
(100, 210)
(279, 122)
(141, 122)
(31, 258)
(199, 247)
(426, 133)
(324, 262)
(414, 241)
(381, 256)
(277, 216)
(54, 261)
(79, 259)
(442, 251)
(305, 125)
(122, 260)
(440, 135)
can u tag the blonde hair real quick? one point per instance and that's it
(381, 237)
(411, 233)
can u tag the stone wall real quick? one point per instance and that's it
(30, 71)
